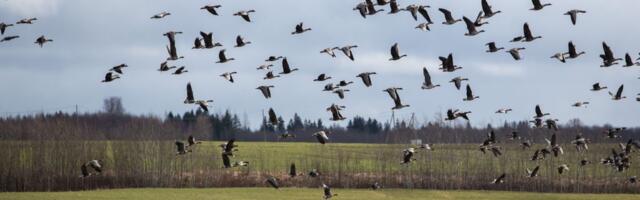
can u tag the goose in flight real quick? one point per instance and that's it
(197, 44)
(321, 136)
(395, 8)
(118, 68)
(427, 84)
(181, 148)
(322, 77)
(110, 76)
(560, 57)
(270, 75)
(330, 51)
(574, 15)
(581, 143)
(244, 14)
(447, 64)
(515, 53)
(300, 29)
(618, 95)
(449, 20)
(470, 96)
(4, 27)
(211, 9)
(27, 21)
(191, 141)
(504, 110)
(240, 41)
(341, 92)
(628, 61)
(204, 104)
(273, 118)
(266, 90)
(9, 38)
(451, 115)
(423, 27)
(554, 146)
(580, 104)
(226, 162)
(414, 9)
(222, 58)
(395, 53)
(534, 172)
(563, 168)
(42, 40)
(371, 9)
(96, 165)
(273, 182)
(180, 70)
(160, 15)
(528, 36)
(608, 59)
(407, 157)
(273, 58)
(572, 51)
(347, 51)
(471, 27)
(539, 113)
(486, 9)
(479, 20)
(344, 83)
(286, 69)
(362, 9)
(366, 78)
(209, 41)
(500, 179)
(393, 93)
(514, 136)
(228, 76)
(171, 35)
(538, 6)
(327, 192)
(457, 81)
(335, 112)
(229, 147)
(597, 87)
(264, 67)
(493, 48)
(241, 164)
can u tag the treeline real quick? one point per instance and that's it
(115, 124)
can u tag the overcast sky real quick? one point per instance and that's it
(92, 36)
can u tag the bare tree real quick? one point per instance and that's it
(113, 105)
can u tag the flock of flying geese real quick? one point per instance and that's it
(205, 40)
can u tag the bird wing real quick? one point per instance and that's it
(272, 116)
(427, 77)
(397, 99)
(469, 92)
(573, 16)
(627, 59)
(527, 31)
(449, 63)
(553, 140)
(285, 66)
(229, 146)
(470, 25)
(538, 110)
(225, 161)
(221, 55)
(424, 13)
(572, 49)
(619, 93)
(394, 51)
(292, 169)
(608, 54)
(536, 3)
(239, 41)
(246, 17)
(190, 97)
(457, 83)
(486, 7)
(447, 14)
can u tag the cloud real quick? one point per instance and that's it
(31, 8)
(501, 70)
(379, 62)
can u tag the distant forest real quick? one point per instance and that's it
(114, 123)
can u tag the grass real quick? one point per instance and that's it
(54, 166)
(299, 194)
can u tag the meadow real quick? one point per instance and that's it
(55, 166)
(302, 194)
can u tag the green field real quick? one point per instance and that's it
(299, 194)
(54, 166)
